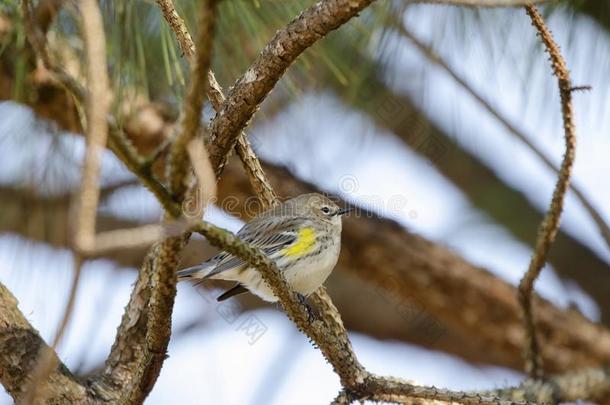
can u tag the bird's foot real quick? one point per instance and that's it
(311, 316)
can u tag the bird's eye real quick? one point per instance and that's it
(325, 210)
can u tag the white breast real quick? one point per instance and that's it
(307, 276)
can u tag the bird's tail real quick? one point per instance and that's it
(196, 272)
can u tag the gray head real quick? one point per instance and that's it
(312, 204)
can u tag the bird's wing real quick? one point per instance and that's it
(266, 235)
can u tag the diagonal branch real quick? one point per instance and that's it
(360, 384)
(550, 225)
(20, 346)
(262, 75)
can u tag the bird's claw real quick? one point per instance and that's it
(310, 314)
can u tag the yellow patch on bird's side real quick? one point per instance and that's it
(306, 240)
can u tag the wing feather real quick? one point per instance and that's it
(266, 235)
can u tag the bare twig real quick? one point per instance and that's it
(550, 224)
(427, 51)
(193, 103)
(97, 130)
(187, 46)
(78, 266)
(215, 94)
(255, 172)
(130, 238)
(123, 149)
(206, 189)
(98, 109)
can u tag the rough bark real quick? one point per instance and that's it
(20, 346)
(140, 346)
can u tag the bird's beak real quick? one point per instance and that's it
(344, 211)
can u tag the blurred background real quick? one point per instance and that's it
(365, 115)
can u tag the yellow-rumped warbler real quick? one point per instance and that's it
(302, 236)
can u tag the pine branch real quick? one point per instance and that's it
(550, 224)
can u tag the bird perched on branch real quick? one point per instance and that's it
(302, 236)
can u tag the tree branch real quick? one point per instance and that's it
(20, 346)
(550, 225)
(193, 103)
(262, 75)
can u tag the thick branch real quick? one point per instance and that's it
(20, 346)
(262, 75)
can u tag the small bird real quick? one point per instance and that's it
(302, 236)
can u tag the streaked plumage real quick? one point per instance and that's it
(302, 235)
